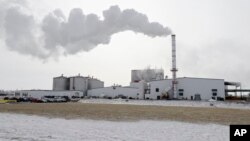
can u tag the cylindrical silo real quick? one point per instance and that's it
(136, 75)
(78, 83)
(95, 83)
(60, 83)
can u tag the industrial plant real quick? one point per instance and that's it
(145, 84)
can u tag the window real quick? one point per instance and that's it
(157, 89)
(214, 92)
(25, 94)
(3, 94)
(181, 92)
(17, 94)
(77, 94)
(147, 91)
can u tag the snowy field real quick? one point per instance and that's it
(18, 127)
(184, 103)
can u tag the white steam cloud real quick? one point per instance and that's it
(147, 75)
(78, 32)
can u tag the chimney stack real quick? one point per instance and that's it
(174, 69)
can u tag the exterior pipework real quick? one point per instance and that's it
(174, 69)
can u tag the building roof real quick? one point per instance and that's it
(199, 78)
(51, 90)
(126, 87)
(78, 76)
(188, 78)
(60, 77)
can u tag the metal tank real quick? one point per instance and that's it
(78, 83)
(60, 83)
(95, 83)
(136, 75)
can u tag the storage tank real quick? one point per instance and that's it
(60, 83)
(136, 75)
(78, 83)
(95, 83)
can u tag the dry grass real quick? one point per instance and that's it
(131, 112)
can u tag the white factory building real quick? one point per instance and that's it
(159, 88)
(145, 84)
(188, 88)
(115, 92)
(156, 87)
(134, 91)
(65, 86)
(38, 94)
(76, 83)
(151, 84)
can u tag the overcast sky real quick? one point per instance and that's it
(212, 40)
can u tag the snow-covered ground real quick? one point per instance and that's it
(184, 103)
(18, 127)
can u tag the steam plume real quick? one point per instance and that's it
(78, 32)
(147, 74)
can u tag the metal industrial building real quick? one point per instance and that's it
(115, 92)
(188, 88)
(76, 83)
(151, 84)
(65, 86)
(136, 90)
(38, 94)
(145, 84)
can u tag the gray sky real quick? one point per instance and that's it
(212, 41)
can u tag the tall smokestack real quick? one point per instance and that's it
(174, 69)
